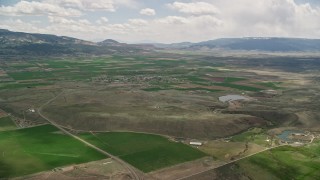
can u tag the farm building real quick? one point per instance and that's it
(195, 143)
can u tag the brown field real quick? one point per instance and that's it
(226, 151)
(103, 169)
(175, 114)
(185, 169)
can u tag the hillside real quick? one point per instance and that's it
(31, 44)
(9, 38)
(262, 44)
(250, 44)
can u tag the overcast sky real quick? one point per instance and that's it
(163, 20)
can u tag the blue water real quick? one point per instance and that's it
(285, 134)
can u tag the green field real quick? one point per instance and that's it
(27, 75)
(41, 148)
(6, 124)
(155, 89)
(233, 79)
(285, 163)
(239, 87)
(78, 70)
(21, 85)
(272, 85)
(144, 151)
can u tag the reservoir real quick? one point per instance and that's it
(229, 98)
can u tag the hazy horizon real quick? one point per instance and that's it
(167, 21)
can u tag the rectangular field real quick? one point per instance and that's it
(41, 148)
(146, 152)
(6, 124)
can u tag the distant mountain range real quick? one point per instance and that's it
(20, 43)
(262, 44)
(9, 38)
(250, 44)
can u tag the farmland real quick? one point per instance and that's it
(126, 100)
(41, 148)
(145, 151)
(6, 123)
(120, 69)
(280, 163)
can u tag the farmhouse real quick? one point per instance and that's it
(32, 110)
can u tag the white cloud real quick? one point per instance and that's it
(37, 8)
(67, 8)
(102, 20)
(173, 20)
(128, 3)
(268, 18)
(235, 18)
(68, 21)
(190, 28)
(139, 22)
(148, 12)
(19, 25)
(95, 5)
(195, 8)
(86, 5)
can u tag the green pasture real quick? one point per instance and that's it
(41, 148)
(144, 151)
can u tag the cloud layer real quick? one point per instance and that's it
(175, 21)
(148, 12)
(195, 8)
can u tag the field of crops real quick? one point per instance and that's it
(144, 151)
(121, 69)
(41, 148)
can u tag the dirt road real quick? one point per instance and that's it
(131, 169)
(230, 162)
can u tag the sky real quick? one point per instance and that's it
(163, 21)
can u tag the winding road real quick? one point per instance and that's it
(131, 169)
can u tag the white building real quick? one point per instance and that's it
(194, 143)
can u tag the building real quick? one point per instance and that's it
(195, 143)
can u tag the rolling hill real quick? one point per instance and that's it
(251, 44)
(31, 44)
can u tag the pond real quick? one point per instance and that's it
(284, 136)
(229, 98)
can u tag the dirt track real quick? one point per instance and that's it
(230, 162)
(129, 167)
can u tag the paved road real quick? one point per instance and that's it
(230, 162)
(131, 169)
